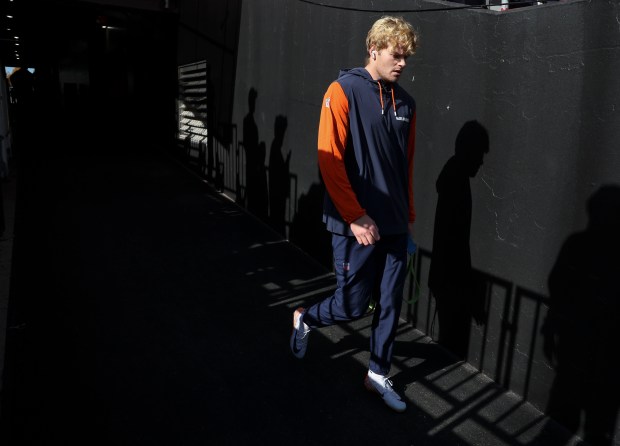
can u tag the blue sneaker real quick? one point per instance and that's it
(383, 386)
(301, 332)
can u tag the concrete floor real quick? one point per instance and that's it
(148, 309)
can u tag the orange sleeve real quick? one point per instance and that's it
(410, 153)
(333, 133)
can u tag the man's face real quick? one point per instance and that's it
(391, 62)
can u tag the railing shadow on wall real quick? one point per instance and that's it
(504, 331)
(235, 166)
(209, 158)
(556, 351)
(243, 192)
(508, 341)
(225, 167)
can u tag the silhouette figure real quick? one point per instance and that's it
(3, 178)
(308, 230)
(21, 83)
(250, 142)
(450, 275)
(2, 218)
(21, 90)
(279, 185)
(255, 187)
(581, 331)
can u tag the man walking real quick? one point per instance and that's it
(365, 149)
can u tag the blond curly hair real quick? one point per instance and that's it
(395, 31)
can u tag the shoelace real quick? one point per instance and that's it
(387, 387)
(302, 332)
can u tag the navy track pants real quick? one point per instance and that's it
(362, 272)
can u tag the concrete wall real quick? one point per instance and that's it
(542, 80)
(209, 31)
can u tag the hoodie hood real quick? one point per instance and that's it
(361, 72)
(384, 88)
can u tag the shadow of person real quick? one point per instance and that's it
(307, 228)
(252, 156)
(279, 184)
(581, 335)
(21, 90)
(450, 274)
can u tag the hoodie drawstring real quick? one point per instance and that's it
(393, 101)
(381, 98)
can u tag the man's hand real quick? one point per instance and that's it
(365, 230)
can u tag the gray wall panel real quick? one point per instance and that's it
(542, 80)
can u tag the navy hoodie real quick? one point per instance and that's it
(366, 145)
